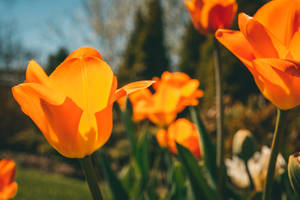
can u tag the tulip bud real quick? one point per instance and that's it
(294, 171)
(243, 144)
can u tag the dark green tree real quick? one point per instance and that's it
(55, 59)
(146, 53)
(131, 65)
(155, 52)
(190, 51)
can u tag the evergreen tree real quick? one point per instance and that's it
(145, 55)
(55, 59)
(190, 50)
(130, 68)
(155, 53)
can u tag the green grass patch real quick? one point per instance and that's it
(38, 185)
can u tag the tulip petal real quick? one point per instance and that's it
(281, 17)
(28, 96)
(104, 123)
(36, 74)
(9, 191)
(84, 52)
(62, 130)
(7, 171)
(219, 15)
(288, 66)
(265, 67)
(255, 33)
(237, 44)
(131, 87)
(87, 81)
(281, 88)
(295, 47)
(189, 88)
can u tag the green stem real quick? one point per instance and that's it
(219, 118)
(91, 177)
(274, 152)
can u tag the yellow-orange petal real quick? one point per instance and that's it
(162, 137)
(258, 37)
(295, 47)
(281, 88)
(105, 123)
(8, 187)
(131, 87)
(162, 118)
(287, 15)
(7, 171)
(62, 130)
(100, 133)
(86, 80)
(28, 96)
(84, 52)
(36, 74)
(9, 191)
(237, 44)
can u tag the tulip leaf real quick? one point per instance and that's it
(176, 180)
(207, 148)
(114, 183)
(143, 154)
(129, 127)
(200, 186)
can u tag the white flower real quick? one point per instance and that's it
(258, 166)
(236, 170)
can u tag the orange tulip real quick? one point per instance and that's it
(173, 92)
(73, 106)
(209, 15)
(137, 99)
(185, 133)
(8, 188)
(268, 44)
(162, 137)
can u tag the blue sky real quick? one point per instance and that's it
(45, 25)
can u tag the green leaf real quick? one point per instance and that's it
(142, 154)
(207, 148)
(200, 186)
(177, 182)
(114, 183)
(130, 127)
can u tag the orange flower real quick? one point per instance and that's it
(73, 106)
(209, 15)
(185, 133)
(162, 137)
(268, 44)
(173, 92)
(8, 188)
(137, 99)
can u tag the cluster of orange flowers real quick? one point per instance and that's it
(8, 188)
(267, 43)
(73, 106)
(173, 92)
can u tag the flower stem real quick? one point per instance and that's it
(219, 118)
(91, 177)
(274, 152)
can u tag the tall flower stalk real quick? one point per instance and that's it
(274, 153)
(91, 177)
(219, 117)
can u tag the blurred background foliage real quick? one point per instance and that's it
(140, 42)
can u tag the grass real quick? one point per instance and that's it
(38, 185)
